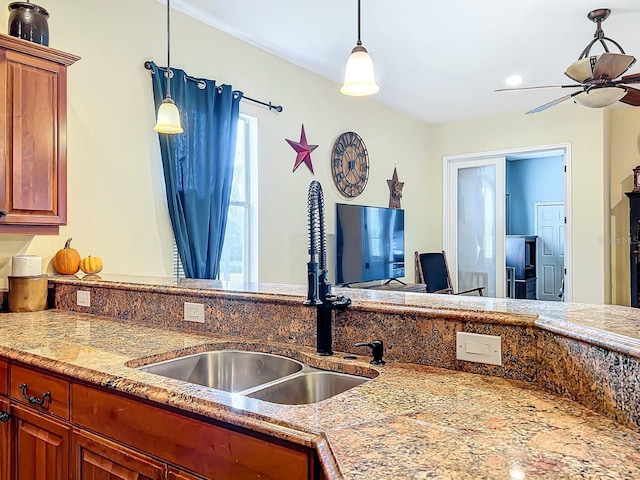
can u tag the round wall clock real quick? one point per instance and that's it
(350, 165)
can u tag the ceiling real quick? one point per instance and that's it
(436, 64)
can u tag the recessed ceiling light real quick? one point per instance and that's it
(514, 81)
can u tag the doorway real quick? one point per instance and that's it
(470, 194)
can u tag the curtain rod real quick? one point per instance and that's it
(270, 106)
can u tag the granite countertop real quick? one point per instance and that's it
(409, 422)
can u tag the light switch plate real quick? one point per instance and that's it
(475, 347)
(194, 312)
(83, 298)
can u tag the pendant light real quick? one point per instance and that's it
(359, 79)
(168, 120)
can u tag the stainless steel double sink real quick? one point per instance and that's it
(264, 376)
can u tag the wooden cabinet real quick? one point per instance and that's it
(41, 446)
(174, 474)
(129, 439)
(3, 377)
(97, 458)
(5, 439)
(41, 391)
(634, 247)
(33, 121)
(209, 450)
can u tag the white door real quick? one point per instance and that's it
(474, 226)
(550, 229)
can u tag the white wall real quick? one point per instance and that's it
(117, 207)
(583, 128)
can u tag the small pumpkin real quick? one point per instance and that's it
(67, 260)
(91, 264)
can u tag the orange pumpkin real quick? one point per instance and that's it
(91, 264)
(67, 260)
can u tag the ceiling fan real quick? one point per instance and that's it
(597, 75)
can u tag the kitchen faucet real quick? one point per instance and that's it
(319, 293)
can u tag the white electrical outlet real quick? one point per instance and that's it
(83, 298)
(194, 312)
(474, 347)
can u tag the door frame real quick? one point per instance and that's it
(565, 148)
(450, 229)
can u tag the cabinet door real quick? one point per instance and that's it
(4, 369)
(98, 458)
(180, 475)
(41, 446)
(33, 174)
(5, 437)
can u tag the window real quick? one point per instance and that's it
(239, 246)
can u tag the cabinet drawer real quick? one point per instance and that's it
(37, 385)
(4, 368)
(209, 450)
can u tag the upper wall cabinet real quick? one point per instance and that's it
(33, 136)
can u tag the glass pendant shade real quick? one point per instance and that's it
(168, 118)
(359, 79)
(600, 97)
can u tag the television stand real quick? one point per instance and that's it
(403, 287)
(396, 279)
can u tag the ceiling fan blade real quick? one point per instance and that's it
(553, 103)
(612, 65)
(541, 86)
(633, 78)
(632, 97)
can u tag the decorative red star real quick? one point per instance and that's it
(304, 150)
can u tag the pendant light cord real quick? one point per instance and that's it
(359, 41)
(168, 48)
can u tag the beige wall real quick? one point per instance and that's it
(581, 127)
(117, 207)
(625, 156)
(116, 199)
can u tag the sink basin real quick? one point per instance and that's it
(228, 370)
(309, 387)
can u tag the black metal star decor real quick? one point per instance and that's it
(395, 190)
(303, 149)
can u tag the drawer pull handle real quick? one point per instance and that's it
(4, 416)
(34, 400)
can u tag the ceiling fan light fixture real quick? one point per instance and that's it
(600, 97)
(582, 70)
(359, 78)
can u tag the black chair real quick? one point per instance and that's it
(432, 270)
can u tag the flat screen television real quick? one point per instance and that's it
(369, 243)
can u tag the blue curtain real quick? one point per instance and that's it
(198, 167)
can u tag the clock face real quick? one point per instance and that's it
(350, 164)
